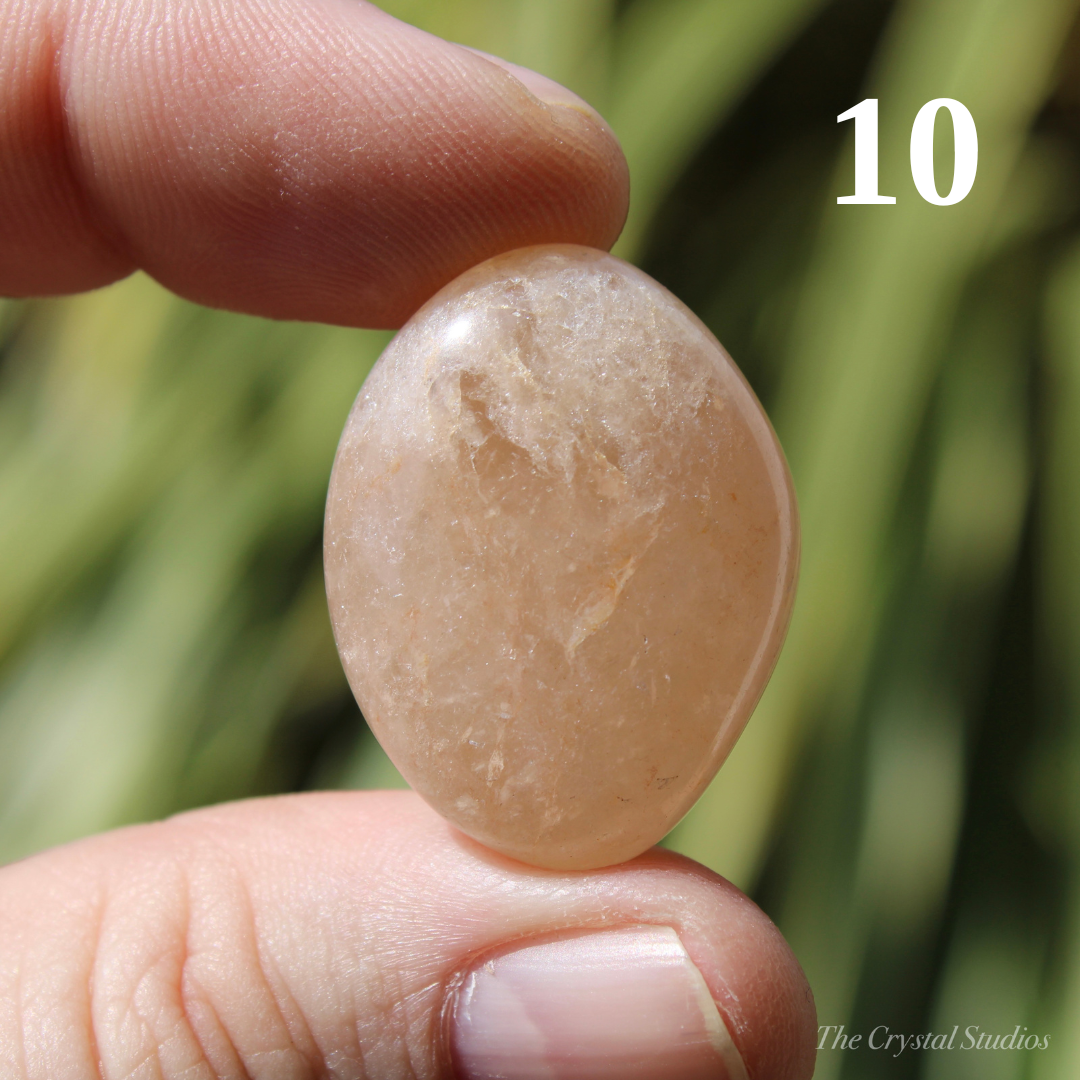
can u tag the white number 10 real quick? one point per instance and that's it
(965, 158)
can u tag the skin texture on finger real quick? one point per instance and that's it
(321, 934)
(311, 159)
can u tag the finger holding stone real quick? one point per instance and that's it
(360, 934)
(312, 159)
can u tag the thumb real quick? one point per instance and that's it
(358, 936)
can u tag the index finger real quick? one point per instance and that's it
(308, 159)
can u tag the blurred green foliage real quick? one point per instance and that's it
(906, 801)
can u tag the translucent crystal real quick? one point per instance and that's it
(561, 545)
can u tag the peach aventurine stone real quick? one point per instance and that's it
(561, 547)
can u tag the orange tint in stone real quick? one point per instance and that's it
(561, 549)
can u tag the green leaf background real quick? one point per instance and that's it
(905, 802)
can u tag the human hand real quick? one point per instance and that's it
(320, 160)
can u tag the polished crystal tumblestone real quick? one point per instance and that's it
(561, 546)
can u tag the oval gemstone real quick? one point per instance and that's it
(561, 547)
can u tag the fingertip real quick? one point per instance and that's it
(756, 982)
(343, 927)
(313, 160)
(540, 165)
(755, 979)
(550, 92)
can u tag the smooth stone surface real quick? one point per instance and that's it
(561, 548)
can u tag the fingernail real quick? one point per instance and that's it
(626, 1004)
(547, 90)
